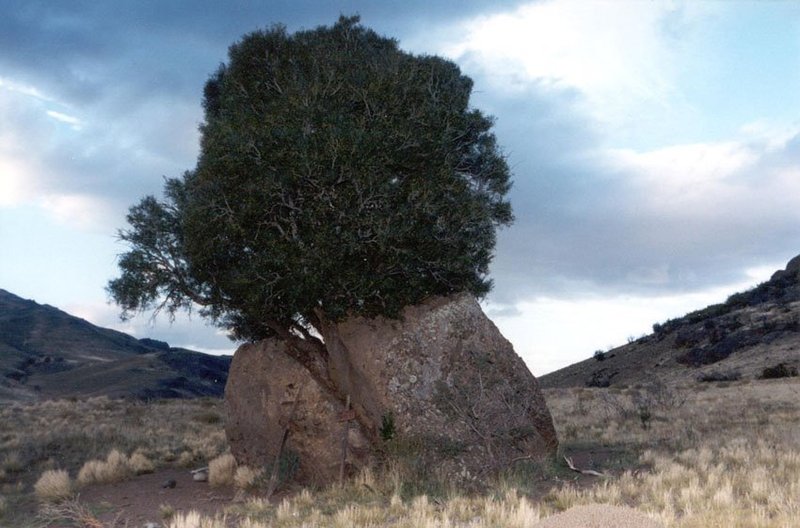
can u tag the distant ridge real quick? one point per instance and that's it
(47, 353)
(752, 331)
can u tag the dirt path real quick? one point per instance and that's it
(139, 500)
(598, 516)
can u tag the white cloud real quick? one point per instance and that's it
(84, 212)
(725, 182)
(15, 185)
(679, 177)
(24, 89)
(620, 56)
(76, 123)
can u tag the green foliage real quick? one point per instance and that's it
(781, 370)
(387, 429)
(338, 175)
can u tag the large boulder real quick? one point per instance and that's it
(443, 378)
(263, 384)
(440, 385)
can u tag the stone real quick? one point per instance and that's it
(263, 383)
(200, 476)
(440, 382)
(447, 381)
(171, 483)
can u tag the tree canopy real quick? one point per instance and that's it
(337, 175)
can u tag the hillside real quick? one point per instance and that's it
(47, 353)
(752, 331)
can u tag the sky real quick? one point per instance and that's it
(654, 147)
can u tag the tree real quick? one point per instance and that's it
(337, 175)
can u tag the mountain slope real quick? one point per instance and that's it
(47, 353)
(738, 339)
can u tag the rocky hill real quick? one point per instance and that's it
(754, 334)
(47, 353)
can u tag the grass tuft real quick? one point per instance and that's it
(221, 470)
(53, 486)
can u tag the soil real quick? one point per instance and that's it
(138, 501)
(598, 516)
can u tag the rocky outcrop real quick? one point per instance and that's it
(440, 380)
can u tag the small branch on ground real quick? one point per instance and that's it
(582, 471)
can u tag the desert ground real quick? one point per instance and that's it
(694, 455)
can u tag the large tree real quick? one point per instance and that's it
(338, 175)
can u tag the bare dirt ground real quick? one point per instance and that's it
(143, 499)
(598, 516)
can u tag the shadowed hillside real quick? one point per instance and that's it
(754, 334)
(47, 353)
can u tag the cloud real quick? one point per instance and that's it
(552, 332)
(681, 218)
(87, 166)
(65, 118)
(571, 81)
(622, 58)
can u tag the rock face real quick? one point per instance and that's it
(263, 384)
(440, 384)
(445, 379)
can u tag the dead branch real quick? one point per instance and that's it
(582, 471)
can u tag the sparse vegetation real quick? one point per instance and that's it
(726, 455)
(781, 370)
(246, 478)
(114, 468)
(66, 434)
(720, 375)
(53, 486)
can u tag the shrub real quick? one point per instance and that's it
(781, 370)
(54, 485)
(731, 375)
(599, 355)
(221, 470)
(599, 379)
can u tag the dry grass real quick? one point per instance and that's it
(65, 434)
(246, 478)
(221, 470)
(71, 511)
(713, 454)
(71, 432)
(53, 486)
(117, 466)
(730, 456)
